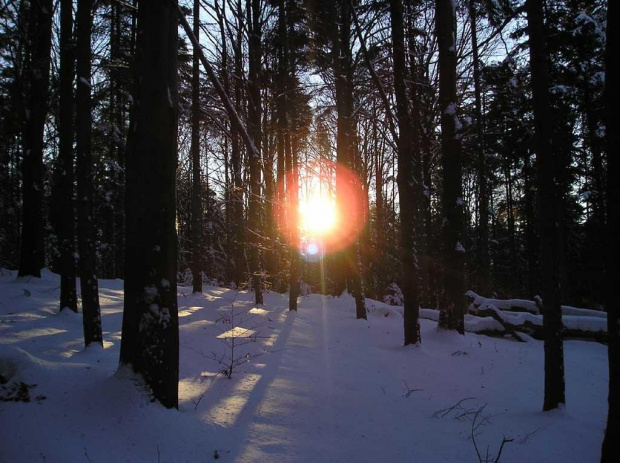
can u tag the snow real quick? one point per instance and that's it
(450, 109)
(85, 81)
(316, 385)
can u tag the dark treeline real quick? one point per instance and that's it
(298, 95)
(475, 129)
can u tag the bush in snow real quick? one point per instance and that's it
(393, 295)
(304, 288)
(239, 333)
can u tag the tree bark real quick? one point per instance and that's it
(547, 166)
(348, 272)
(484, 261)
(407, 181)
(453, 294)
(63, 199)
(91, 312)
(255, 130)
(610, 452)
(197, 213)
(40, 39)
(150, 336)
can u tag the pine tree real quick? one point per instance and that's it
(63, 205)
(150, 334)
(32, 257)
(547, 210)
(453, 300)
(407, 181)
(610, 452)
(91, 312)
(197, 212)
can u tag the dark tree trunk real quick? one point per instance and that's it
(118, 84)
(254, 127)
(531, 239)
(407, 181)
(237, 163)
(380, 233)
(430, 260)
(281, 104)
(91, 313)
(40, 39)
(293, 197)
(453, 293)
(547, 166)
(197, 214)
(348, 272)
(289, 146)
(229, 192)
(610, 452)
(150, 337)
(483, 261)
(63, 198)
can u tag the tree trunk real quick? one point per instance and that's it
(453, 294)
(348, 272)
(119, 79)
(610, 452)
(150, 337)
(197, 214)
(237, 164)
(63, 199)
(407, 182)
(531, 240)
(91, 313)
(40, 39)
(229, 192)
(483, 261)
(293, 197)
(288, 145)
(255, 129)
(547, 165)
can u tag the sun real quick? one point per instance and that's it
(317, 215)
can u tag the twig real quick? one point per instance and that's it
(457, 406)
(409, 390)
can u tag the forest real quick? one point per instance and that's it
(429, 154)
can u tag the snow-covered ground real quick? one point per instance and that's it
(318, 386)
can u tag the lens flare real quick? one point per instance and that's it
(312, 249)
(317, 215)
(330, 212)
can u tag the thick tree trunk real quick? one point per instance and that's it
(547, 165)
(91, 313)
(40, 39)
(196, 228)
(63, 198)
(610, 452)
(150, 337)
(407, 182)
(453, 294)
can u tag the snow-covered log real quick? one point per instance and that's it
(524, 316)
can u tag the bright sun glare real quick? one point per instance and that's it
(318, 215)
